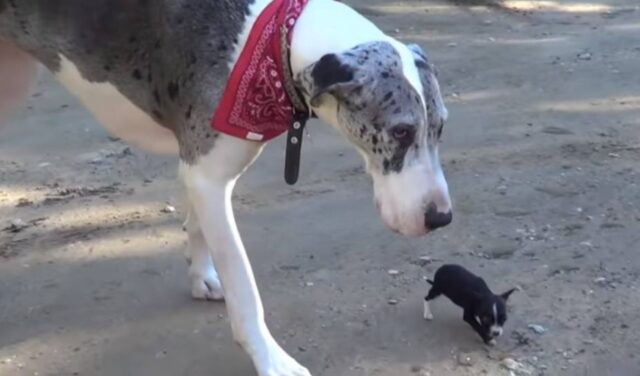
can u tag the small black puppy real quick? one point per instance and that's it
(483, 310)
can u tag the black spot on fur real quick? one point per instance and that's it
(398, 110)
(173, 89)
(421, 64)
(387, 96)
(385, 75)
(374, 140)
(222, 46)
(329, 71)
(187, 114)
(137, 74)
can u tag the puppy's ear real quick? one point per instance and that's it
(331, 75)
(506, 295)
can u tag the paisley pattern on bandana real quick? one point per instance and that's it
(255, 105)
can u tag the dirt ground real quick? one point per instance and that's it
(542, 153)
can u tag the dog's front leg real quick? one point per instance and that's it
(209, 183)
(475, 324)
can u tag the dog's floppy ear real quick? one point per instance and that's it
(328, 76)
(506, 295)
(419, 55)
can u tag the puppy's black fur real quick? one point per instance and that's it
(483, 310)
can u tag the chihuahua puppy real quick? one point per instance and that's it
(483, 310)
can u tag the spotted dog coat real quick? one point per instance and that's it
(382, 112)
(170, 58)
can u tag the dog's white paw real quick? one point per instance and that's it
(206, 287)
(492, 342)
(427, 315)
(279, 363)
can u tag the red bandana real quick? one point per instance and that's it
(255, 105)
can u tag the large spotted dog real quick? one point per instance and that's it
(154, 73)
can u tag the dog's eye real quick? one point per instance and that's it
(403, 133)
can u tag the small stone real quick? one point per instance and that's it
(309, 284)
(465, 360)
(538, 329)
(416, 369)
(16, 225)
(614, 155)
(600, 280)
(516, 367)
(24, 202)
(423, 261)
(392, 302)
(393, 272)
(168, 209)
(585, 56)
(452, 44)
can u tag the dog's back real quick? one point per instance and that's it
(459, 284)
(155, 63)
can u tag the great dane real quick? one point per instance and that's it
(153, 72)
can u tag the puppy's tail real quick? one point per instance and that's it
(430, 282)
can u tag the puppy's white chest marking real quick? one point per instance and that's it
(115, 112)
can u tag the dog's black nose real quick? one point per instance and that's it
(434, 219)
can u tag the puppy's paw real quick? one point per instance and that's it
(491, 342)
(428, 316)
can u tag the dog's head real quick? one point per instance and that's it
(491, 313)
(385, 99)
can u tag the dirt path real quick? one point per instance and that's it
(542, 154)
